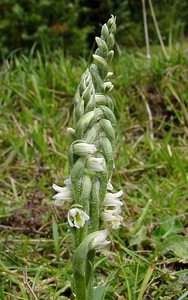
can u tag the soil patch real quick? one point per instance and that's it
(33, 218)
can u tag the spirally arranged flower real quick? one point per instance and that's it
(99, 240)
(112, 199)
(113, 217)
(64, 194)
(77, 217)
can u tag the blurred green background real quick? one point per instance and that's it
(69, 24)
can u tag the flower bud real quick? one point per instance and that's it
(102, 45)
(108, 86)
(112, 24)
(101, 64)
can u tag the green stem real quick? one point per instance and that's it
(94, 215)
(80, 286)
(90, 274)
(85, 200)
(82, 260)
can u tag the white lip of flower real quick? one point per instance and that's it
(63, 194)
(84, 149)
(77, 217)
(99, 240)
(113, 199)
(95, 164)
(113, 217)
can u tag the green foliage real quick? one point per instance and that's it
(43, 22)
(70, 24)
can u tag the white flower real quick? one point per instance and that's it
(77, 217)
(63, 194)
(113, 199)
(109, 186)
(113, 217)
(108, 86)
(99, 239)
(110, 74)
(84, 149)
(96, 164)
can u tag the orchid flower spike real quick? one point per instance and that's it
(77, 217)
(91, 158)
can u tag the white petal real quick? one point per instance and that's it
(84, 215)
(108, 86)
(113, 212)
(116, 223)
(101, 245)
(73, 212)
(110, 74)
(113, 217)
(99, 239)
(112, 202)
(66, 195)
(107, 217)
(109, 186)
(77, 217)
(69, 220)
(114, 195)
(84, 149)
(57, 188)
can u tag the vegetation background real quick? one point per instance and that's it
(69, 24)
(45, 46)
